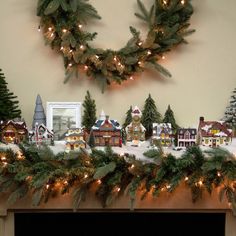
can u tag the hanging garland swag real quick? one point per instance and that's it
(62, 26)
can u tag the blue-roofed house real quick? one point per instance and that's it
(107, 132)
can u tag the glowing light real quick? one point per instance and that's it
(47, 186)
(81, 47)
(3, 158)
(65, 182)
(186, 179)
(97, 56)
(163, 57)
(64, 30)
(71, 51)
(165, 2)
(182, 2)
(162, 189)
(85, 68)
(200, 183)
(4, 163)
(86, 176)
(168, 186)
(140, 63)
(80, 26)
(70, 64)
(49, 28)
(99, 181)
(131, 78)
(115, 58)
(117, 189)
(132, 166)
(149, 52)
(140, 43)
(52, 34)
(39, 28)
(218, 174)
(61, 48)
(122, 154)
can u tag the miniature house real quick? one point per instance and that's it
(107, 132)
(162, 134)
(186, 137)
(135, 130)
(213, 133)
(74, 139)
(13, 131)
(41, 134)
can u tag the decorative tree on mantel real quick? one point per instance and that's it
(89, 117)
(170, 118)
(150, 115)
(230, 113)
(8, 105)
(39, 115)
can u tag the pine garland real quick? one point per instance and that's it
(39, 171)
(62, 26)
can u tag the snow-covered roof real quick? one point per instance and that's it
(99, 123)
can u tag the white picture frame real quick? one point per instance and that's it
(62, 116)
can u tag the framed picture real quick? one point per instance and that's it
(62, 116)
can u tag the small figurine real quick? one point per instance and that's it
(74, 139)
(41, 134)
(107, 132)
(13, 131)
(135, 130)
(186, 137)
(162, 134)
(213, 133)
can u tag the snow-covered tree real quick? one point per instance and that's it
(39, 115)
(150, 115)
(230, 113)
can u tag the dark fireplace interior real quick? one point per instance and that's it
(119, 223)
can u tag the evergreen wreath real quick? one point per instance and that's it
(62, 26)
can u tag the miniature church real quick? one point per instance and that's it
(135, 130)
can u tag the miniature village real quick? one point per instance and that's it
(132, 137)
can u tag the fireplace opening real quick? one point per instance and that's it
(119, 223)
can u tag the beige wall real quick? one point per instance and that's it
(203, 71)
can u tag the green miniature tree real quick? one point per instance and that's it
(89, 117)
(170, 118)
(150, 115)
(8, 105)
(91, 140)
(128, 118)
(230, 113)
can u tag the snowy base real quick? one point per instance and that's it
(137, 151)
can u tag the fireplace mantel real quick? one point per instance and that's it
(179, 201)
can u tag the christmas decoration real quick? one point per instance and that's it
(107, 132)
(91, 140)
(39, 115)
(13, 131)
(128, 118)
(89, 116)
(162, 134)
(150, 115)
(8, 104)
(170, 118)
(186, 137)
(42, 174)
(41, 135)
(213, 133)
(230, 113)
(74, 139)
(135, 130)
(62, 24)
